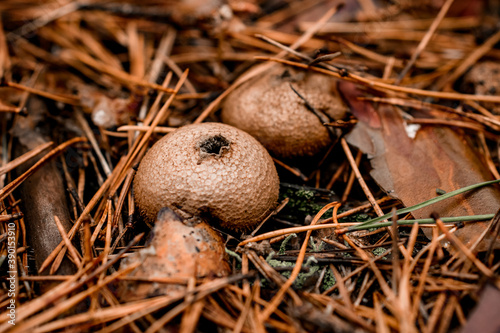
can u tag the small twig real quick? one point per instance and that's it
(462, 248)
(55, 152)
(423, 43)
(377, 85)
(360, 179)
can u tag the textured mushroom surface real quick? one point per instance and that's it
(211, 170)
(268, 109)
(177, 249)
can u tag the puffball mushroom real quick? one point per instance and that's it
(210, 170)
(177, 249)
(267, 108)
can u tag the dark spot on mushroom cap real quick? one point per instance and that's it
(213, 146)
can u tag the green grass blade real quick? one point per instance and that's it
(427, 203)
(469, 218)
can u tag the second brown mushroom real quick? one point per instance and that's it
(270, 110)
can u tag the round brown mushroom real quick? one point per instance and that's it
(210, 170)
(267, 108)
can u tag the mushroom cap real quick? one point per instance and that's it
(267, 108)
(210, 170)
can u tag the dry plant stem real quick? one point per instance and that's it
(47, 298)
(74, 254)
(51, 313)
(246, 310)
(12, 109)
(396, 272)
(98, 228)
(380, 322)
(192, 313)
(39, 22)
(346, 297)
(423, 43)
(153, 110)
(158, 129)
(200, 292)
(135, 50)
(469, 61)
(295, 272)
(271, 274)
(24, 158)
(90, 135)
(95, 199)
(178, 71)
(107, 245)
(86, 278)
(448, 23)
(389, 66)
(123, 194)
(292, 170)
(10, 217)
(302, 56)
(420, 288)
(381, 280)
(488, 120)
(120, 75)
(384, 86)
(462, 248)
(96, 317)
(369, 54)
(5, 61)
(261, 69)
(164, 48)
(66, 99)
(451, 123)
(436, 313)
(487, 156)
(481, 109)
(260, 302)
(134, 151)
(286, 232)
(404, 291)
(356, 271)
(360, 179)
(87, 246)
(350, 182)
(336, 176)
(124, 164)
(275, 211)
(55, 152)
(356, 210)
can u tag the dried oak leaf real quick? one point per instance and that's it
(411, 170)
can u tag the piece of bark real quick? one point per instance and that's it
(413, 169)
(177, 249)
(43, 194)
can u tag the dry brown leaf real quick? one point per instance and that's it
(177, 250)
(413, 169)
